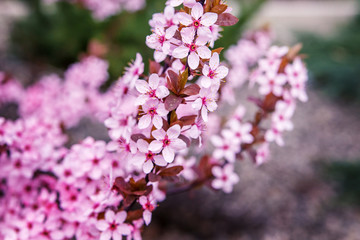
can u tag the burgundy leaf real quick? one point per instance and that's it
(226, 19)
(172, 102)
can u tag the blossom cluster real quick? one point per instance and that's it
(158, 124)
(106, 8)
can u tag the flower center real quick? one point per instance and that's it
(196, 23)
(149, 156)
(193, 47)
(166, 141)
(152, 111)
(161, 40)
(211, 74)
(113, 226)
(152, 93)
(204, 100)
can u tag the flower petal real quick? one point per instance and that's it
(144, 121)
(168, 154)
(174, 131)
(154, 81)
(214, 61)
(221, 72)
(209, 19)
(142, 86)
(180, 52)
(204, 52)
(193, 60)
(148, 166)
(155, 146)
(184, 18)
(159, 160)
(197, 11)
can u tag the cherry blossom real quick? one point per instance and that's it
(225, 148)
(213, 73)
(113, 225)
(147, 158)
(153, 89)
(206, 102)
(198, 21)
(148, 204)
(225, 178)
(168, 141)
(153, 113)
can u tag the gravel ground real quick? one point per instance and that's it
(284, 199)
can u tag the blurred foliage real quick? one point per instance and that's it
(346, 177)
(58, 34)
(335, 61)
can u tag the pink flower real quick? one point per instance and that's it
(297, 77)
(213, 73)
(272, 82)
(198, 21)
(262, 154)
(205, 102)
(153, 112)
(225, 178)
(147, 158)
(149, 205)
(133, 71)
(274, 134)
(175, 3)
(168, 141)
(160, 41)
(225, 148)
(166, 19)
(136, 230)
(150, 90)
(113, 226)
(196, 49)
(282, 116)
(240, 131)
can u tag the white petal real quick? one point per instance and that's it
(159, 56)
(197, 104)
(178, 144)
(204, 52)
(148, 166)
(155, 146)
(174, 131)
(208, 19)
(105, 235)
(184, 18)
(144, 121)
(141, 100)
(170, 32)
(159, 134)
(217, 184)
(142, 86)
(180, 52)
(205, 82)
(162, 92)
(221, 72)
(154, 81)
(157, 121)
(204, 114)
(197, 11)
(168, 154)
(142, 145)
(214, 61)
(188, 35)
(193, 60)
(101, 225)
(109, 216)
(147, 217)
(217, 171)
(159, 160)
(120, 217)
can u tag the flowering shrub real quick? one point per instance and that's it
(106, 8)
(157, 124)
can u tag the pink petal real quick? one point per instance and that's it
(180, 52)
(206, 70)
(162, 92)
(221, 72)
(120, 217)
(193, 60)
(159, 56)
(154, 81)
(205, 82)
(101, 225)
(155, 146)
(109, 216)
(143, 200)
(197, 104)
(204, 114)
(187, 35)
(144, 121)
(217, 184)
(174, 131)
(204, 52)
(141, 100)
(170, 32)
(148, 166)
(158, 121)
(159, 134)
(142, 86)
(123, 229)
(138, 159)
(184, 18)
(214, 61)
(205, 33)
(209, 19)
(116, 234)
(142, 145)
(178, 144)
(159, 160)
(217, 171)
(105, 235)
(168, 154)
(197, 11)
(147, 217)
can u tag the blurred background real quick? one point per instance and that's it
(310, 189)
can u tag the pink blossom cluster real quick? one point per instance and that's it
(164, 134)
(102, 9)
(10, 89)
(69, 99)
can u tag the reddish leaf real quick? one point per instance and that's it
(208, 5)
(153, 177)
(172, 102)
(134, 215)
(188, 120)
(219, 9)
(172, 171)
(173, 78)
(226, 19)
(183, 79)
(294, 51)
(190, 90)
(128, 200)
(136, 137)
(186, 140)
